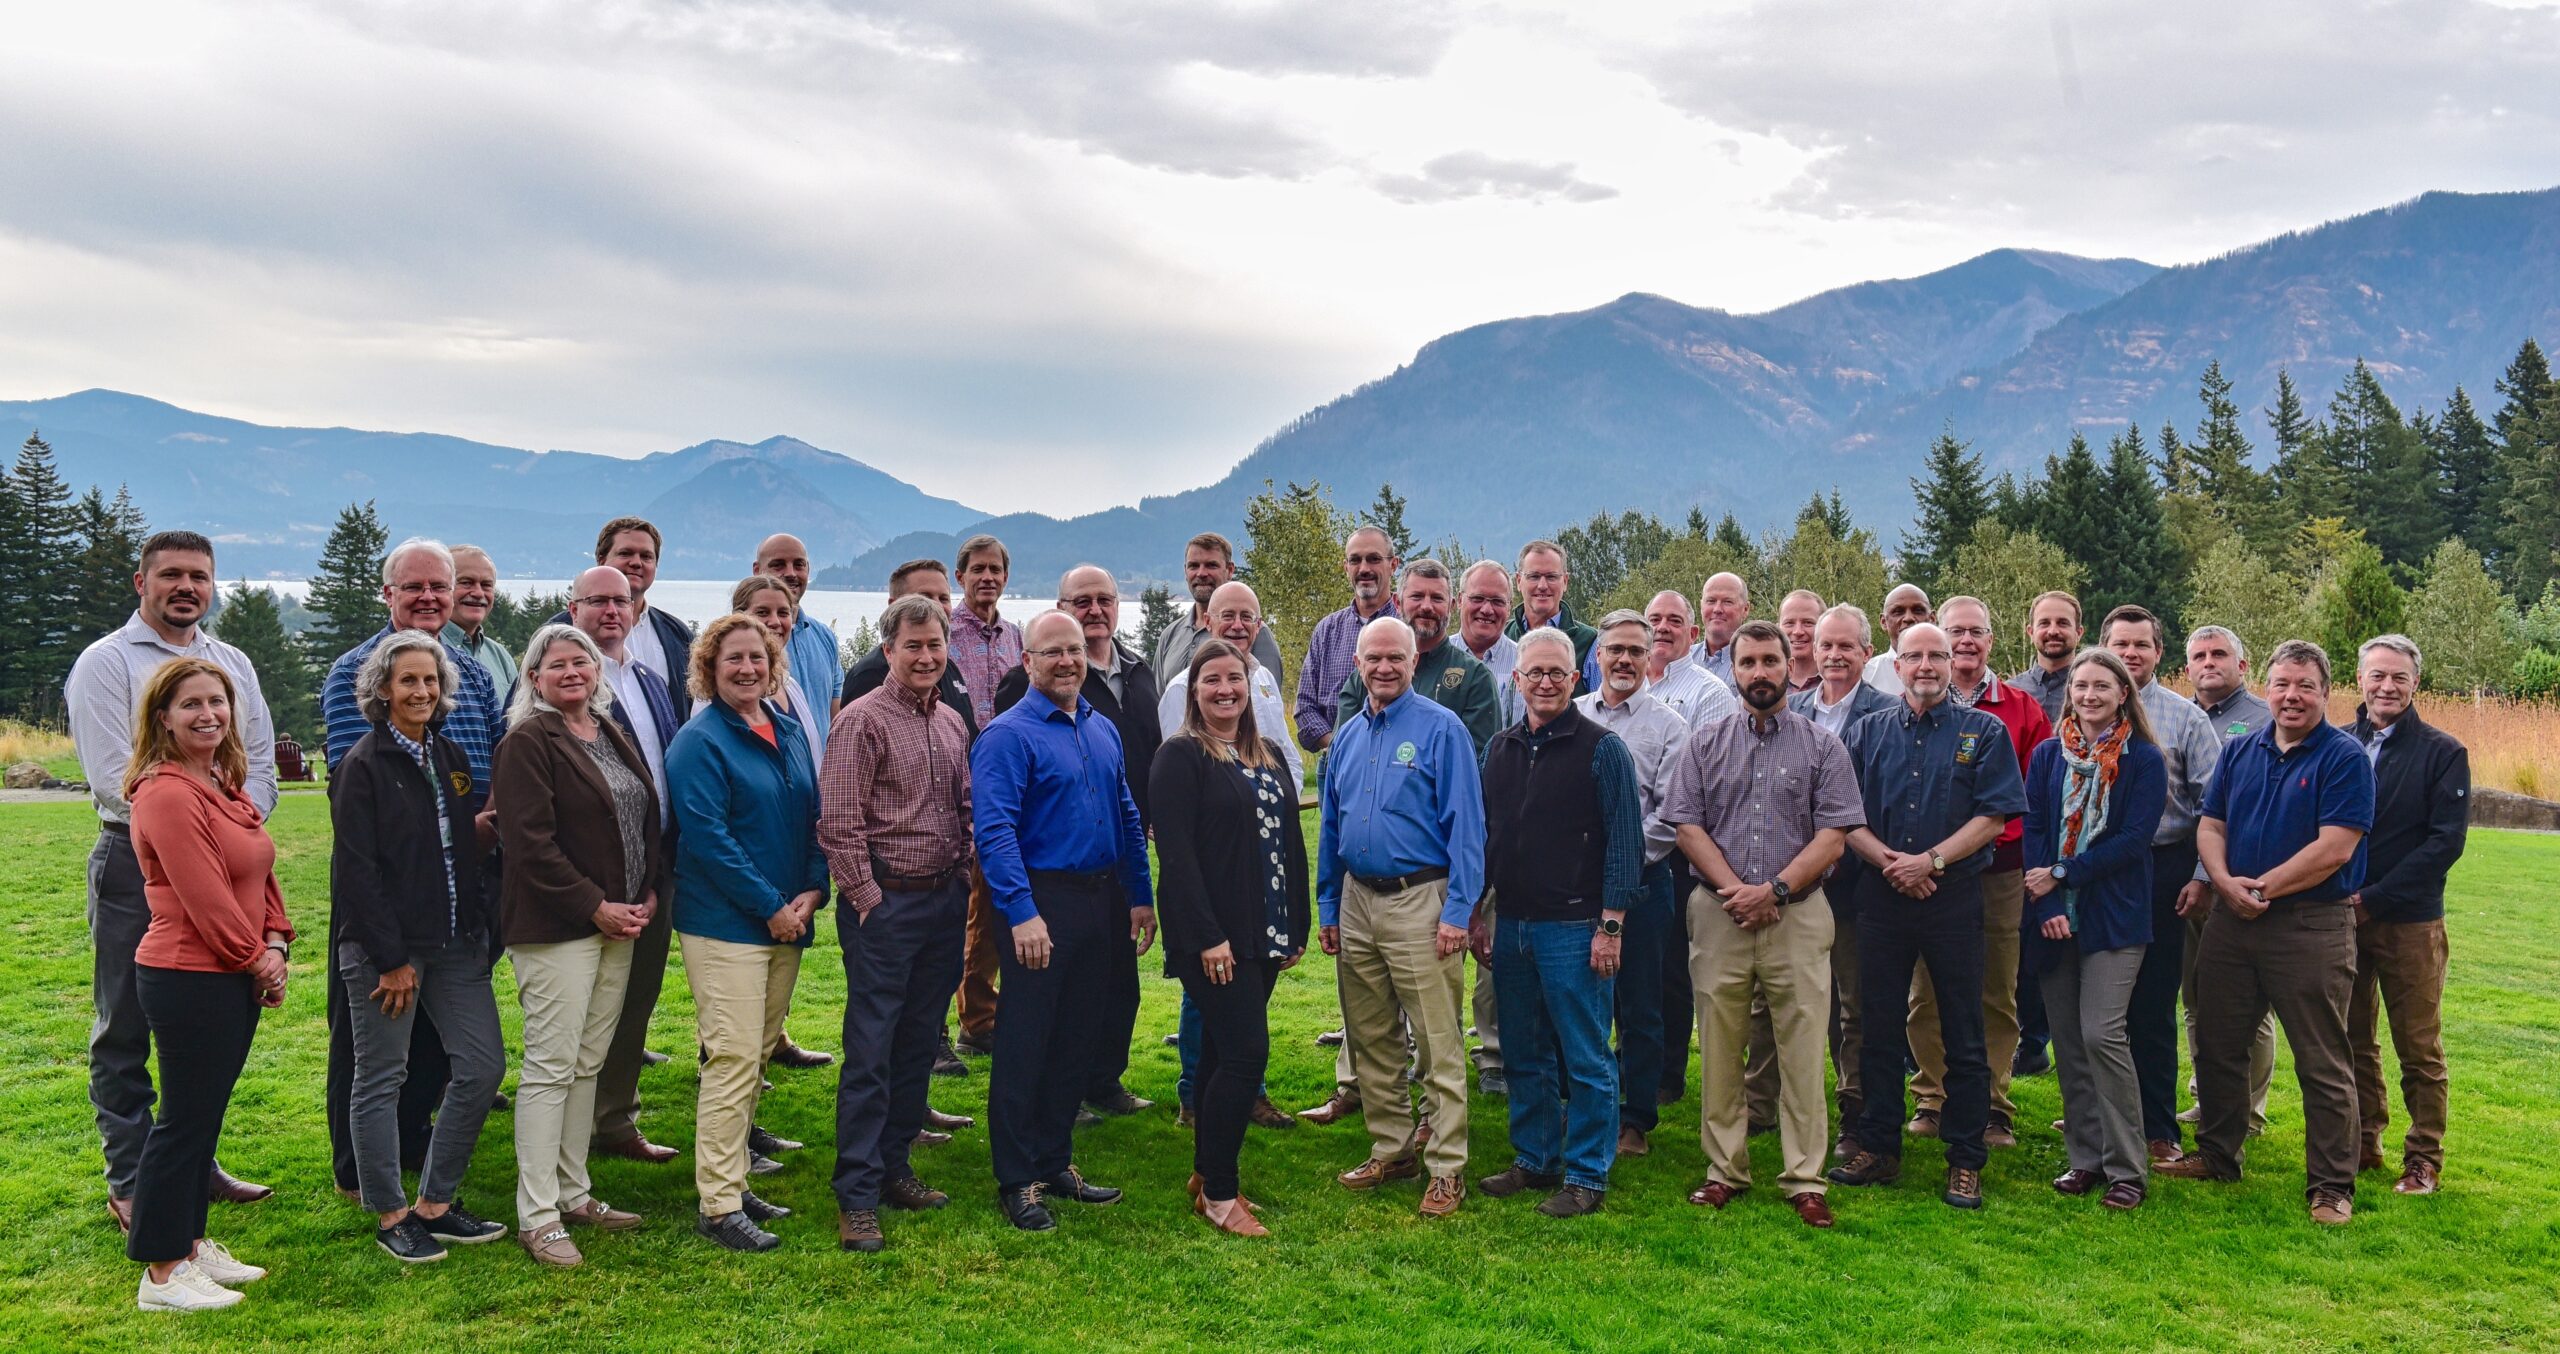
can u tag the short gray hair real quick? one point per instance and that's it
(526, 703)
(1547, 635)
(1425, 567)
(1854, 612)
(2396, 643)
(375, 673)
(1497, 568)
(2239, 647)
(1563, 559)
(415, 545)
(1624, 616)
(2302, 651)
(913, 609)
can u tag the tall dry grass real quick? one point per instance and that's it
(27, 743)
(2515, 745)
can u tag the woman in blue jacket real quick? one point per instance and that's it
(748, 878)
(2095, 791)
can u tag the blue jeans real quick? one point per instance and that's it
(1555, 1039)
(1186, 1034)
(1641, 981)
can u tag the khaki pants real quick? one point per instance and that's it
(740, 995)
(1393, 977)
(571, 992)
(2400, 972)
(1790, 964)
(2262, 1055)
(2004, 898)
(1760, 1072)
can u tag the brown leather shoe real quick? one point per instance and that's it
(1516, 1178)
(227, 1189)
(1997, 1134)
(1923, 1125)
(859, 1230)
(550, 1246)
(1716, 1194)
(1198, 1189)
(2076, 1182)
(2163, 1151)
(1633, 1143)
(1442, 1196)
(1964, 1188)
(1570, 1202)
(635, 1149)
(1845, 1147)
(1421, 1134)
(122, 1211)
(2192, 1166)
(1811, 1207)
(911, 1194)
(926, 1137)
(2332, 1208)
(940, 1122)
(790, 1054)
(1233, 1216)
(602, 1216)
(1186, 1117)
(2123, 1196)
(1268, 1115)
(1344, 1103)
(1372, 1173)
(2418, 1178)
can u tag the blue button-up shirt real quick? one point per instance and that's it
(2273, 803)
(817, 661)
(1047, 793)
(1922, 776)
(475, 724)
(1401, 793)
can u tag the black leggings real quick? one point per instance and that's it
(1235, 1049)
(201, 1025)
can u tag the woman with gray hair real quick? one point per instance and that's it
(409, 925)
(583, 877)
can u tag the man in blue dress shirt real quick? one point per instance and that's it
(1066, 864)
(1399, 866)
(1939, 781)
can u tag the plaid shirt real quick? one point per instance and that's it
(425, 758)
(983, 652)
(478, 719)
(894, 788)
(1331, 653)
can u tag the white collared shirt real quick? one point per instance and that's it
(644, 725)
(105, 687)
(1270, 717)
(1696, 694)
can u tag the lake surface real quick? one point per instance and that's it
(698, 600)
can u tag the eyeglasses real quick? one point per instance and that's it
(1545, 676)
(1542, 578)
(413, 589)
(1236, 618)
(1968, 631)
(601, 602)
(1050, 655)
(1083, 600)
(1372, 560)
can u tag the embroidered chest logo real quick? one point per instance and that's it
(1449, 680)
(1404, 753)
(1968, 746)
(2237, 728)
(461, 781)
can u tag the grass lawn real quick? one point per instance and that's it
(2201, 1266)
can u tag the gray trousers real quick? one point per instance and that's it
(120, 1039)
(2086, 997)
(453, 989)
(618, 1085)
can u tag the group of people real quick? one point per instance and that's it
(1654, 822)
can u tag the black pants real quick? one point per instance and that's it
(2151, 1022)
(2033, 1030)
(1118, 1021)
(1235, 1050)
(1049, 1025)
(1643, 979)
(430, 1071)
(202, 1024)
(1943, 930)
(1679, 1004)
(901, 965)
(119, 1039)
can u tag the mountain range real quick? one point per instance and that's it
(1495, 433)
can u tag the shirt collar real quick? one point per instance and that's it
(1935, 716)
(138, 631)
(920, 704)
(1386, 716)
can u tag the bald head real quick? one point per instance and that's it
(1723, 604)
(1088, 593)
(783, 557)
(600, 605)
(1235, 615)
(1053, 657)
(1922, 658)
(1385, 658)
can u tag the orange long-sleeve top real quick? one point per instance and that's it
(208, 873)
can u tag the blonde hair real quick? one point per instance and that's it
(1248, 749)
(704, 663)
(154, 745)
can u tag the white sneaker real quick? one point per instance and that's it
(218, 1265)
(187, 1290)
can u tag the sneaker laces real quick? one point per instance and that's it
(191, 1275)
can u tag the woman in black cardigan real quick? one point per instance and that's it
(1231, 893)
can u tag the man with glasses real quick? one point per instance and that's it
(1723, 604)
(1484, 608)
(1122, 688)
(1544, 576)
(1208, 563)
(1369, 565)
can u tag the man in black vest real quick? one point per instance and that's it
(931, 578)
(1122, 686)
(1564, 855)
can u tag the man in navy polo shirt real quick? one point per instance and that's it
(2281, 833)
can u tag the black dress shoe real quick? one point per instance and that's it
(1504, 1184)
(770, 1143)
(226, 1189)
(946, 1123)
(2031, 1061)
(946, 1061)
(1023, 1208)
(759, 1211)
(650, 1057)
(499, 1103)
(1071, 1185)
(736, 1232)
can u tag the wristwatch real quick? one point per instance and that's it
(2062, 872)
(1937, 863)
(1778, 889)
(1611, 928)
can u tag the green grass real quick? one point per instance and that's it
(2223, 1267)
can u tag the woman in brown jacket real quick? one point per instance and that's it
(578, 821)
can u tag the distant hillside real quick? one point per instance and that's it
(268, 495)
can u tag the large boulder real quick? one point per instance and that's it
(26, 776)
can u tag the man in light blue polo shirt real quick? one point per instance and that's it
(813, 655)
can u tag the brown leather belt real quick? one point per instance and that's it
(1399, 883)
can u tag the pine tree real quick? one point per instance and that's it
(2306, 481)
(2141, 562)
(1698, 528)
(251, 621)
(1730, 535)
(39, 587)
(1834, 514)
(2532, 468)
(2069, 507)
(1387, 515)
(2465, 626)
(2219, 453)
(2468, 487)
(2352, 602)
(2019, 507)
(2521, 385)
(1156, 614)
(2384, 467)
(1832, 567)
(346, 595)
(1953, 500)
(110, 534)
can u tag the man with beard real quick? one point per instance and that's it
(1904, 607)
(1654, 735)
(1484, 608)
(1938, 782)
(1369, 565)
(2053, 627)
(174, 585)
(1672, 674)
(1544, 578)
(1722, 605)
(1762, 805)
(1208, 563)
(1798, 612)
(475, 592)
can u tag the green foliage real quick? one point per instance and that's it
(855, 647)
(1836, 568)
(2136, 559)
(1156, 614)
(1730, 535)
(2218, 459)
(2530, 465)
(1605, 551)
(1833, 512)
(2535, 676)
(2468, 487)
(39, 585)
(2305, 478)
(110, 533)
(2542, 621)
(2354, 600)
(2236, 587)
(2007, 569)
(1386, 513)
(2465, 626)
(512, 620)
(2385, 467)
(1293, 559)
(1953, 499)
(251, 622)
(346, 595)
(1683, 566)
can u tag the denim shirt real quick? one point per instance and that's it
(1923, 775)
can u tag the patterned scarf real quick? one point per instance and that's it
(2088, 781)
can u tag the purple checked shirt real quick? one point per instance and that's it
(1330, 654)
(983, 653)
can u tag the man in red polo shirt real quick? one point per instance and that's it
(1973, 684)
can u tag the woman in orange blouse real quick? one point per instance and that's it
(214, 954)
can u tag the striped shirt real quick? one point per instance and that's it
(983, 652)
(1330, 654)
(1698, 695)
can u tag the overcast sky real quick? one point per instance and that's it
(1057, 255)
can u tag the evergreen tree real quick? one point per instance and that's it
(1834, 568)
(110, 534)
(2139, 560)
(1953, 499)
(1698, 528)
(2352, 602)
(2532, 468)
(1834, 514)
(2237, 587)
(1387, 515)
(346, 595)
(2384, 467)
(251, 621)
(1156, 614)
(2219, 454)
(1604, 551)
(2468, 487)
(2521, 385)
(39, 585)
(2465, 626)
(1729, 534)
(2305, 480)
(2070, 509)
(2019, 507)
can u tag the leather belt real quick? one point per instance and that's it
(914, 883)
(115, 829)
(1398, 883)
